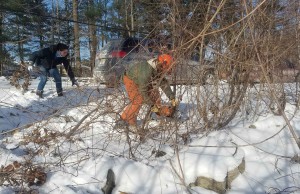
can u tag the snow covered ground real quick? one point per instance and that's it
(80, 164)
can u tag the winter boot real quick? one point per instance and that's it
(110, 182)
(60, 93)
(39, 93)
(121, 124)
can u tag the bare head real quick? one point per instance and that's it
(63, 49)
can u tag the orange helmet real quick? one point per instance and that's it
(166, 60)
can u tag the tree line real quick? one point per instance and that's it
(229, 27)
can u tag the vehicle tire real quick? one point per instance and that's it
(208, 78)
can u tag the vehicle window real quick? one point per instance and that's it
(130, 44)
(115, 45)
(110, 46)
(105, 48)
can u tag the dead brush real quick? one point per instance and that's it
(21, 74)
(21, 174)
(44, 139)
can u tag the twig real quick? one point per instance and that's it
(74, 129)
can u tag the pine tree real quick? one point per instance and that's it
(25, 20)
(94, 12)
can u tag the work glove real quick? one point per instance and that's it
(155, 109)
(75, 82)
(174, 102)
(31, 66)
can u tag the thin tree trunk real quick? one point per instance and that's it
(76, 37)
(52, 24)
(58, 21)
(68, 14)
(103, 34)
(92, 38)
(1, 43)
(126, 18)
(20, 44)
(132, 18)
(297, 31)
(40, 30)
(129, 21)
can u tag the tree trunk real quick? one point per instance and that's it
(92, 38)
(52, 24)
(297, 31)
(129, 21)
(76, 38)
(20, 43)
(131, 16)
(1, 43)
(68, 14)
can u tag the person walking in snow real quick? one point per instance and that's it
(46, 60)
(142, 81)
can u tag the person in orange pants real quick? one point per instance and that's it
(142, 81)
(136, 100)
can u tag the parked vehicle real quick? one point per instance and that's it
(112, 59)
(283, 72)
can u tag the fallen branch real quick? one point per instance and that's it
(74, 129)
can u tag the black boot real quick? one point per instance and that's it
(110, 182)
(60, 93)
(121, 124)
(39, 93)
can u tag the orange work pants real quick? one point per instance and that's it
(131, 111)
(136, 100)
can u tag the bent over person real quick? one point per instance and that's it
(142, 81)
(46, 61)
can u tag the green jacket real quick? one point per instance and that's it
(146, 77)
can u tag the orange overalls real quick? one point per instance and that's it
(131, 111)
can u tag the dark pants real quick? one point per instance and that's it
(44, 73)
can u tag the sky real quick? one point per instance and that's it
(262, 144)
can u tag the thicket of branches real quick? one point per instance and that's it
(252, 46)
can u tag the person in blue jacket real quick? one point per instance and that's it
(46, 61)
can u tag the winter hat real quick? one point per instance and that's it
(165, 60)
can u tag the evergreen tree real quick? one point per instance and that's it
(24, 22)
(94, 12)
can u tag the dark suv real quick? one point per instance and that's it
(112, 59)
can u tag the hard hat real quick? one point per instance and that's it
(166, 60)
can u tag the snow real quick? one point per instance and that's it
(80, 164)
